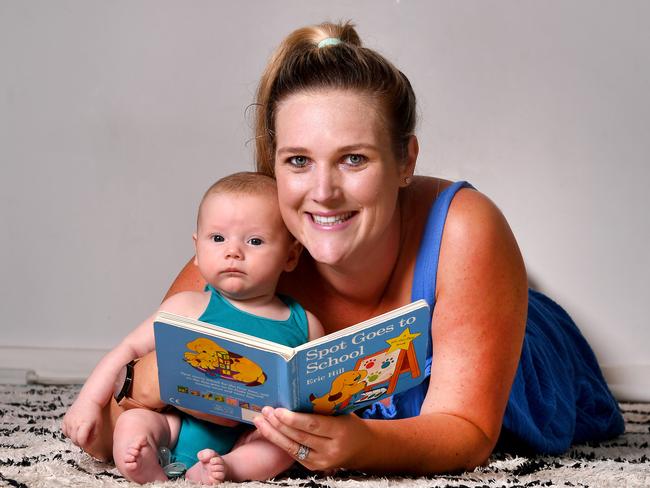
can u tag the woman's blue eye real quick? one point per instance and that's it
(255, 241)
(298, 161)
(356, 159)
(218, 238)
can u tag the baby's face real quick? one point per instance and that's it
(242, 244)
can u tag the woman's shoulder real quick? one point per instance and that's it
(467, 206)
(417, 198)
(477, 239)
(471, 212)
(425, 188)
(473, 225)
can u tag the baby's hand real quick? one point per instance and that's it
(82, 422)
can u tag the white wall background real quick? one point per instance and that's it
(115, 116)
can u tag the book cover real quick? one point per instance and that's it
(222, 372)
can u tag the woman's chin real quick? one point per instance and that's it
(329, 257)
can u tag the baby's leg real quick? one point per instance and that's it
(138, 434)
(256, 459)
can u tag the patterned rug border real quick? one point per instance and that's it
(33, 453)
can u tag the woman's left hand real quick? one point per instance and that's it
(333, 442)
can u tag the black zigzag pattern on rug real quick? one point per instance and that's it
(34, 453)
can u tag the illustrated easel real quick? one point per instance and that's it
(406, 363)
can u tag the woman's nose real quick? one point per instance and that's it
(326, 185)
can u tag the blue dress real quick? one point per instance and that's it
(558, 396)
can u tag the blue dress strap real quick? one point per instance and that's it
(426, 264)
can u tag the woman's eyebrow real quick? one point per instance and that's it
(348, 148)
(292, 149)
(357, 147)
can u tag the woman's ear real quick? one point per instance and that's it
(407, 168)
(295, 248)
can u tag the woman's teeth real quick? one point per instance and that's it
(331, 220)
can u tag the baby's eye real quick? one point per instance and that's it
(298, 161)
(255, 241)
(217, 238)
(355, 159)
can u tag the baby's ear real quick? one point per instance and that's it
(196, 261)
(295, 248)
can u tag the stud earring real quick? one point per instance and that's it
(407, 180)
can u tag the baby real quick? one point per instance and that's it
(242, 248)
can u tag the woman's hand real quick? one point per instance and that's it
(333, 442)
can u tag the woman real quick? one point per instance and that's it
(335, 126)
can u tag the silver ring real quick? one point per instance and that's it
(303, 452)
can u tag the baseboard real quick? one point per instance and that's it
(21, 365)
(629, 382)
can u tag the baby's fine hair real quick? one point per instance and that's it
(247, 182)
(244, 183)
(330, 56)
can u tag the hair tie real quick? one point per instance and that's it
(329, 41)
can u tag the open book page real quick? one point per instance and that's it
(367, 363)
(217, 375)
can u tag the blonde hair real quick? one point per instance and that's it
(243, 183)
(299, 64)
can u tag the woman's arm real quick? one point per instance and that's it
(189, 279)
(477, 331)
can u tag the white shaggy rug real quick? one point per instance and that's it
(33, 453)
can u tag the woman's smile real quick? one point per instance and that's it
(329, 220)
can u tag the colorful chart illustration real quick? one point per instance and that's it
(380, 367)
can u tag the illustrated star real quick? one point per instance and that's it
(402, 341)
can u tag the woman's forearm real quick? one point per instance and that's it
(146, 390)
(427, 444)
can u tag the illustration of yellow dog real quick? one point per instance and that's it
(247, 371)
(211, 358)
(205, 355)
(344, 387)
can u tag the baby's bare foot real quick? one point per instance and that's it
(140, 462)
(210, 470)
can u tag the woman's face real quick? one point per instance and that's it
(338, 178)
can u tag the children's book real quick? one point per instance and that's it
(229, 374)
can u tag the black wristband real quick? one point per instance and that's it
(128, 382)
